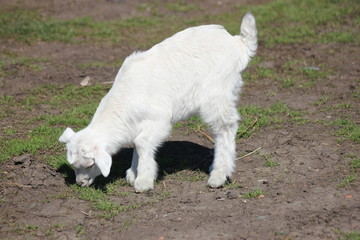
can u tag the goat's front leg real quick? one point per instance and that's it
(151, 136)
(132, 171)
(146, 169)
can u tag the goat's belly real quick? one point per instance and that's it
(183, 110)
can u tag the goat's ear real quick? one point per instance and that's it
(67, 135)
(103, 161)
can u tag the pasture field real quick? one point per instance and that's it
(298, 144)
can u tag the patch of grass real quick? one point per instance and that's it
(194, 123)
(9, 131)
(233, 185)
(26, 25)
(339, 37)
(298, 73)
(57, 225)
(259, 74)
(80, 230)
(41, 138)
(344, 106)
(54, 228)
(255, 117)
(356, 94)
(253, 194)
(181, 6)
(350, 155)
(27, 62)
(75, 94)
(353, 235)
(77, 112)
(163, 195)
(126, 224)
(187, 175)
(113, 187)
(57, 161)
(11, 63)
(347, 180)
(322, 101)
(267, 73)
(287, 82)
(22, 230)
(138, 22)
(313, 74)
(99, 64)
(144, 6)
(348, 129)
(355, 164)
(31, 227)
(89, 194)
(306, 21)
(100, 202)
(78, 116)
(256, 60)
(352, 177)
(269, 163)
(307, 84)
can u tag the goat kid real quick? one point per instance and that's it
(196, 71)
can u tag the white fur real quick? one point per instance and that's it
(196, 71)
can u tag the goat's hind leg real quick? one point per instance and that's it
(132, 171)
(224, 130)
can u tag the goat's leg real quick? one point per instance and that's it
(132, 171)
(224, 157)
(150, 138)
(224, 127)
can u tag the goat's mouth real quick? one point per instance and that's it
(85, 182)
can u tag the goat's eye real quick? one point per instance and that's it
(91, 165)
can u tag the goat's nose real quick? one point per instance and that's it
(83, 182)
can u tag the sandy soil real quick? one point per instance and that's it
(302, 198)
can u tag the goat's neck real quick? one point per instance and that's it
(112, 138)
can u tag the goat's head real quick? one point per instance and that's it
(87, 161)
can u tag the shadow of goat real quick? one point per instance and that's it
(172, 157)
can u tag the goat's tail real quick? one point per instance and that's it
(248, 33)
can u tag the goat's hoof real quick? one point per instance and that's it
(130, 176)
(216, 179)
(143, 184)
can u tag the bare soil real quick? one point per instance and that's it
(302, 198)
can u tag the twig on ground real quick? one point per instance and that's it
(206, 135)
(87, 214)
(246, 155)
(108, 82)
(16, 185)
(245, 130)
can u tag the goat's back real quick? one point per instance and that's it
(178, 75)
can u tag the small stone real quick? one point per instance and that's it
(86, 81)
(263, 181)
(22, 159)
(231, 195)
(33, 205)
(261, 196)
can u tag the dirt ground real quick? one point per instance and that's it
(302, 198)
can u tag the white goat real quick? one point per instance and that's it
(196, 71)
